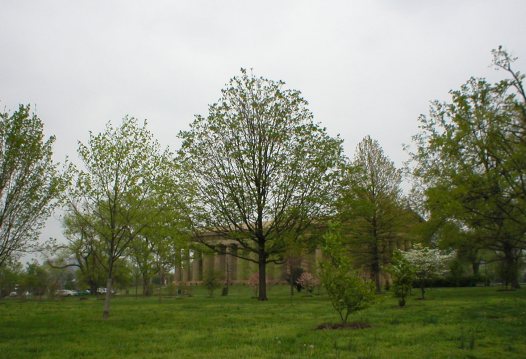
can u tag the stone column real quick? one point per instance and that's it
(242, 267)
(186, 265)
(232, 263)
(178, 268)
(197, 267)
(220, 260)
(208, 263)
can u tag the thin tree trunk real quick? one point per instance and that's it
(160, 284)
(146, 286)
(262, 295)
(93, 288)
(475, 265)
(375, 265)
(106, 311)
(291, 283)
(136, 286)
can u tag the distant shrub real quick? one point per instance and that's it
(212, 281)
(293, 275)
(308, 282)
(428, 264)
(403, 276)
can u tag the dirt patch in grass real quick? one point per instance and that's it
(352, 325)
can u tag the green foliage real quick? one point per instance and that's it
(212, 280)
(36, 279)
(30, 183)
(371, 208)
(403, 276)
(85, 247)
(258, 169)
(10, 275)
(347, 291)
(471, 161)
(125, 183)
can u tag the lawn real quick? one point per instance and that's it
(451, 323)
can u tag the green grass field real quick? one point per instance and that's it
(451, 323)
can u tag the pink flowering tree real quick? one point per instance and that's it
(308, 281)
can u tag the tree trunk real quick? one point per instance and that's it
(422, 288)
(511, 267)
(375, 265)
(375, 268)
(136, 286)
(401, 302)
(377, 281)
(160, 284)
(93, 288)
(106, 311)
(475, 265)
(262, 295)
(146, 286)
(291, 286)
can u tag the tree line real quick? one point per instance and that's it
(260, 171)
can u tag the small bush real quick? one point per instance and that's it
(347, 291)
(292, 277)
(308, 282)
(403, 276)
(212, 281)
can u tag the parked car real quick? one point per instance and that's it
(83, 292)
(65, 293)
(102, 290)
(105, 290)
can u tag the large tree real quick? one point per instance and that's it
(29, 181)
(259, 169)
(370, 208)
(124, 169)
(471, 158)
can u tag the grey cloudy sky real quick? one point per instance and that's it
(366, 67)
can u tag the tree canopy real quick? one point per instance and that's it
(30, 183)
(259, 168)
(471, 158)
(370, 208)
(124, 172)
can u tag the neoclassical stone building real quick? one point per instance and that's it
(196, 261)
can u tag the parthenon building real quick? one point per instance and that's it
(194, 265)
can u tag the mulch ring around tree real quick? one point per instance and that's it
(352, 325)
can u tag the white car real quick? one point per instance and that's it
(105, 290)
(102, 290)
(65, 293)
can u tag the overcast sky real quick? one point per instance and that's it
(366, 67)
